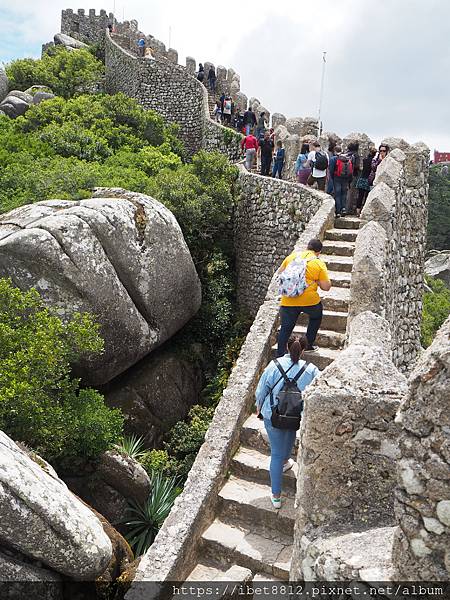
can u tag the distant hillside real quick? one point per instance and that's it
(439, 210)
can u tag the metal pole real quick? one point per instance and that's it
(324, 58)
(170, 36)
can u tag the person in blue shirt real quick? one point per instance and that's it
(281, 440)
(141, 45)
(278, 160)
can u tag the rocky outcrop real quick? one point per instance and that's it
(155, 394)
(42, 519)
(422, 547)
(16, 103)
(61, 39)
(4, 84)
(120, 256)
(109, 483)
(438, 266)
(13, 106)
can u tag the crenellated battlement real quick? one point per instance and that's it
(89, 28)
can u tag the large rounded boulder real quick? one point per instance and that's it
(120, 256)
(43, 520)
(4, 84)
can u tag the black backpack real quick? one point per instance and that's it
(287, 413)
(321, 161)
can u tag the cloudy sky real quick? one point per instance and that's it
(388, 61)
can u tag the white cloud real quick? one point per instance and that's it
(387, 67)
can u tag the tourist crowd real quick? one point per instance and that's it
(344, 174)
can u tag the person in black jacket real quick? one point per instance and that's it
(362, 184)
(266, 149)
(249, 120)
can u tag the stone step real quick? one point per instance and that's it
(338, 263)
(341, 235)
(252, 465)
(233, 546)
(340, 279)
(248, 503)
(332, 320)
(338, 248)
(254, 436)
(364, 556)
(347, 223)
(325, 338)
(336, 299)
(321, 357)
(204, 572)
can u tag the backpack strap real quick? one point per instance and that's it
(282, 371)
(300, 373)
(284, 375)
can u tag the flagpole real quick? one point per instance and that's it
(324, 59)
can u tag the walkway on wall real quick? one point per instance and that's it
(249, 539)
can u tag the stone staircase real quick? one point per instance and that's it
(249, 539)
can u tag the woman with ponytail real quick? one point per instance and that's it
(281, 440)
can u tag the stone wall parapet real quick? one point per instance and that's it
(389, 259)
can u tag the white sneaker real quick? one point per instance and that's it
(276, 502)
(288, 465)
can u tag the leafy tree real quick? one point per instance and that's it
(436, 308)
(67, 73)
(439, 210)
(40, 404)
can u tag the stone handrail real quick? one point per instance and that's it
(173, 553)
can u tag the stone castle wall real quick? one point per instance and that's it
(270, 216)
(390, 250)
(422, 543)
(347, 459)
(167, 88)
(88, 28)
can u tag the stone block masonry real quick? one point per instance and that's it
(422, 545)
(390, 250)
(348, 447)
(270, 216)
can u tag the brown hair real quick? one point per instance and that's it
(296, 345)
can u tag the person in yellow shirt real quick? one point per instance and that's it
(308, 302)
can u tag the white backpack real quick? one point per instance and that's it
(293, 278)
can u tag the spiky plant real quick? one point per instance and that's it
(144, 521)
(132, 445)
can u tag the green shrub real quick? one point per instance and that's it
(40, 404)
(436, 308)
(132, 446)
(156, 461)
(66, 73)
(439, 210)
(144, 521)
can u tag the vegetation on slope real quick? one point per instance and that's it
(436, 308)
(65, 73)
(64, 147)
(40, 404)
(439, 210)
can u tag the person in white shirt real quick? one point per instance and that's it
(318, 160)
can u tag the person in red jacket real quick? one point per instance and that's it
(250, 145)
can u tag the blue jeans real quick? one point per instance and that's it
(281, 444)
(289, 316)
(277, 168)
(340, 193)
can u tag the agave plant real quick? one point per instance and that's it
(131, 445)
(145, 520)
